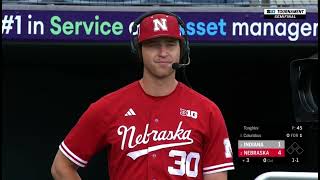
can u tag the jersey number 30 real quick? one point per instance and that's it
(184, 163)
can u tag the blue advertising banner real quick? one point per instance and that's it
(115, 26)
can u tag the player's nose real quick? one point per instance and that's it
(163, 50)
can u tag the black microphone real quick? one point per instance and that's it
(177, 66)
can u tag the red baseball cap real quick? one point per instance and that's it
(159, 25)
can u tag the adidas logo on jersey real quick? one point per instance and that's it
(130, 113)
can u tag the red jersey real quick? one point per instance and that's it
(179, 136)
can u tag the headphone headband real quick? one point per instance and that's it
(140, 18)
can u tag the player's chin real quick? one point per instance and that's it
(163, 73)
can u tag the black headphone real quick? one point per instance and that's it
(135, 48)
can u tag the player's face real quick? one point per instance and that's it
(158, 56)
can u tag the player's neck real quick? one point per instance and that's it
(158, 87)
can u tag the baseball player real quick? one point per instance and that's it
(155, 128)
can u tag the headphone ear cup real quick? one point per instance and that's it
(135, 45)
(185, 51)
(137, 48)
(134, 37)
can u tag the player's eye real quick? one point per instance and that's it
(172, 44)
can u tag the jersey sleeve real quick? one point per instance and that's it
(86, 138)
(217, 148)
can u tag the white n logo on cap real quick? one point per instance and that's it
(160, 25)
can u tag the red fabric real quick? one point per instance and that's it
(180, 136)
(159, 25)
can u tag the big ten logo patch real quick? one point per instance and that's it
(189, 113)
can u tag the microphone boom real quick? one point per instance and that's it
(177, 66)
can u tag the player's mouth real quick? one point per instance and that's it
(163, 62)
